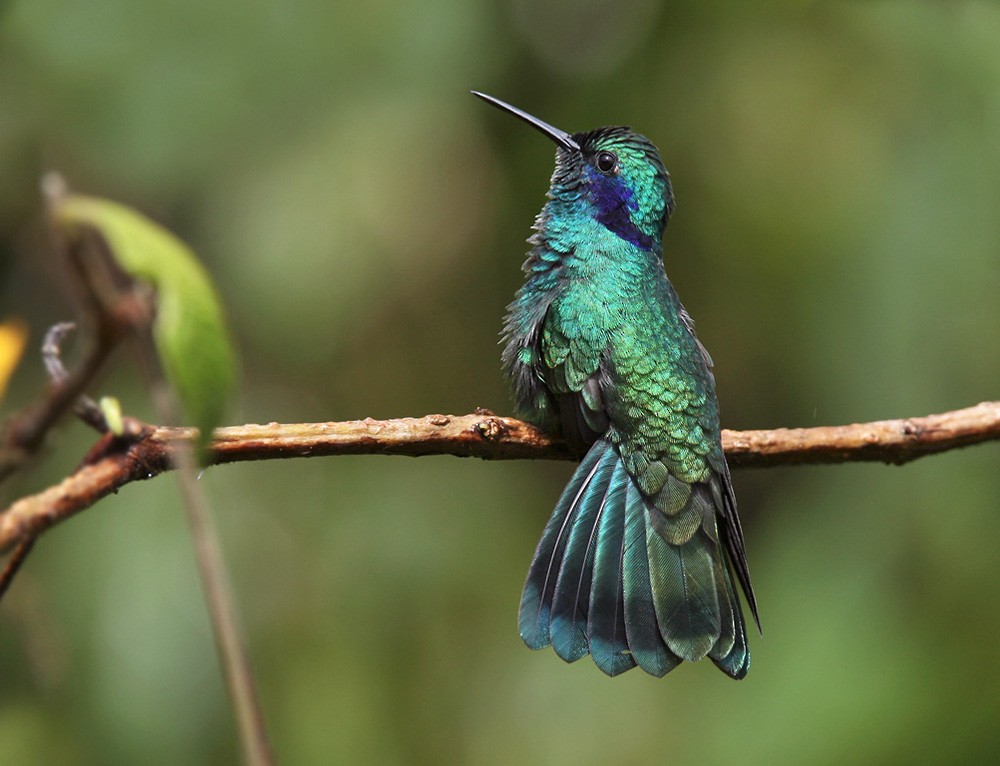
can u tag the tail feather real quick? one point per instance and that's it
(684, 589)
(641, 625)
(736, 661)
(616, 576)
(571, 599)
(536, 599)
(728, 608)
(606, 630)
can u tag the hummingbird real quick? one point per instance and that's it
(636, 565)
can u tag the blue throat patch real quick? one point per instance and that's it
(614, 201)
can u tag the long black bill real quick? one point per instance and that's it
(561, 137)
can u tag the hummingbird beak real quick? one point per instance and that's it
(561, 137)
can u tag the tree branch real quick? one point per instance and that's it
(145, 451)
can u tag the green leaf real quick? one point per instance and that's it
(190, 332)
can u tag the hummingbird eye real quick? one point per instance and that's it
(606, 161)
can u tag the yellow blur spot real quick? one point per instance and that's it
(13, 336)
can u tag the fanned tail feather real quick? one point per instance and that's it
(644, 638)
(606, 630)
(536, 599)
(682, 575)
(617, 577)
(571, 600)
(734, 662)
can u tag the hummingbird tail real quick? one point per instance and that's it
(616, 577)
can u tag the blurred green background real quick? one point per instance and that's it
(837, 238)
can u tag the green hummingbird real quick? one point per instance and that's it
(636, 565)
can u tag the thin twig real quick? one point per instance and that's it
(85, 408)
(14, 563)
(25, 433)
(222, 611)
(221, 604)
(482, 435)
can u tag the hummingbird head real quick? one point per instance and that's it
(613, 175)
